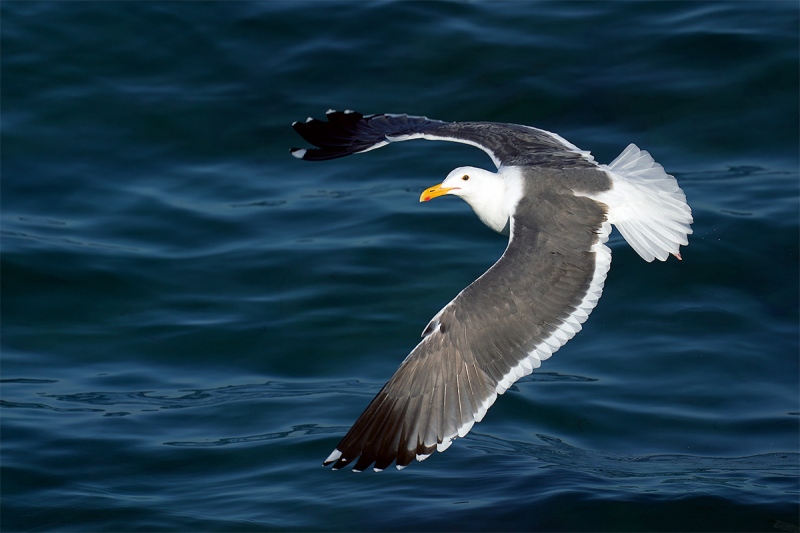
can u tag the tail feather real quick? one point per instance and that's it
(646, 205)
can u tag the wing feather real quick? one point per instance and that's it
(489, 336)
(349, 132)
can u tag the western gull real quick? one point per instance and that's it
(556, 204)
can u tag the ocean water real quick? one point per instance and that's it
(192, 319)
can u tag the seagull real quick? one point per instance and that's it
(556, 204)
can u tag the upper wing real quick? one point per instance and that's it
(498, 329)
(349, 132)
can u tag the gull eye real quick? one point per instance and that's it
(465, 178)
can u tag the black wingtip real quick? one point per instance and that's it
(349, 132)
(332, 138)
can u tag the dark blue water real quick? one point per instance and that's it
(192, 319)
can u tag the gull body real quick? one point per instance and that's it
(557, 205)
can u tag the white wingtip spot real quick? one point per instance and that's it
(299, 153)
(330, 111)
(399, 467)
(334, 456)
(422, 457)
(442, 446)
(309, 119)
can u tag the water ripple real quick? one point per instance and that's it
(31, 405)
(652, 472)
(150, 400)
(181, 399)
(299, 430)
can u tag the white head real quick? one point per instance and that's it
(484, 191)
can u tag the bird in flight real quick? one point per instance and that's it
(557, 205)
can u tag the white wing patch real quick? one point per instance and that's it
(646, 205)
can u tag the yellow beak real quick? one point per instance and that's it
(433, 192)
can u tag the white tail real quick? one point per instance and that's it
(646, 205)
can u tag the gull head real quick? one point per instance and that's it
(484, 191)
